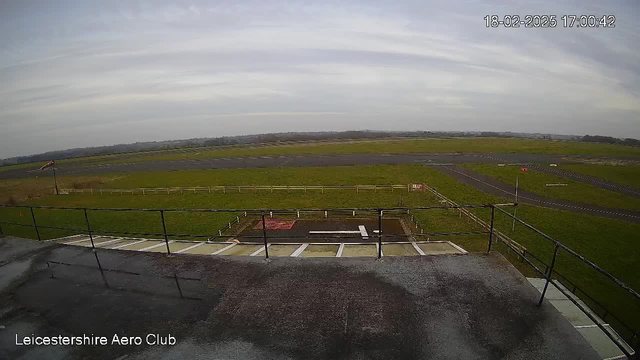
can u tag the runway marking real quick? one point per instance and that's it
(340, 250)
(363, 231)
(415, 246)
(299, 250)
(189, 248)
(155, 246)
(129, 244)
(76, 241)
(106, 242)
(257, 252)
(224, 249)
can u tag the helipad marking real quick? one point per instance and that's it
(189, 248)
(299, 250)
(340, 250)
(129, 244)
(223, 249)
(257, 252)
(415, 246)
(107, 242)
(155, 246)
(76, 241)
(458, 247)
(363, 231)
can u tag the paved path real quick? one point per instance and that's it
(492, 186)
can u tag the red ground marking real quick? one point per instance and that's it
(275, 224)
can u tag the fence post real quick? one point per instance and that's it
(264, 236)
(35, 225)
(549, 274)
(86, 218)
(493, 213)
(164, 229)
(379, 233)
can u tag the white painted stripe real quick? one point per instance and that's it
(588, 326)
(299, 250)
(335, 232)
(65, 238)
(257, 252)
(107, 242)
(76, 241)
(129, 244)
(155, 246)
(189, 248)
(415, 246)
(224, 249)
(458, 247)
(616, 357)
(340, 250)
(363, 231)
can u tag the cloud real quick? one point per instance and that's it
(93, 73)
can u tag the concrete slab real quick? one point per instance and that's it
(314, 250)
(600, 342)
(360, 251)
(174, 247)
(575, 316)
(206, 249)
(399, 250)
(437, 248)
(140, 245)
(241, 250)
(282, 250)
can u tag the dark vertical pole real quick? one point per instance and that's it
(164, 229)
(493, 214)
(1, 233)
(35, 225)
(549, 274)
(55, 181)
(264, 236)
(379, 233)
(86, 218)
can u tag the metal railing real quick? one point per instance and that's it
(489, 228)
(237, 189)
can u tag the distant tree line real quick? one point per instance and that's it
(294, 137)
(611, 140)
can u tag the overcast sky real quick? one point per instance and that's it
(89, 73)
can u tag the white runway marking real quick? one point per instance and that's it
(224, 249)
(299, 250)
(155, 246)
(189, 248)
(129, 244)
(363, 231)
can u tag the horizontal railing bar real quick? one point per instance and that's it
(254, 210)
(580, 257)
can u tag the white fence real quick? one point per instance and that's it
(243, 188)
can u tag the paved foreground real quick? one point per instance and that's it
(440, 307)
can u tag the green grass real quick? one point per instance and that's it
(468, 145)
(621, 174)
(334, 175)
(534, 181)
(609, 243)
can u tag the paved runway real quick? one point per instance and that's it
(492, 186)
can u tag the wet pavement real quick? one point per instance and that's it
(420, 307)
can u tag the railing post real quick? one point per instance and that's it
(1, 233)
(264, 236)
(164, 229)
(35, 225)
(493, 214)
(86, 218)
(549, 274)
(379, 233)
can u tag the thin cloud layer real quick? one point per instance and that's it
(93, 73)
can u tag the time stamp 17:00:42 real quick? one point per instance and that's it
(551, 21)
